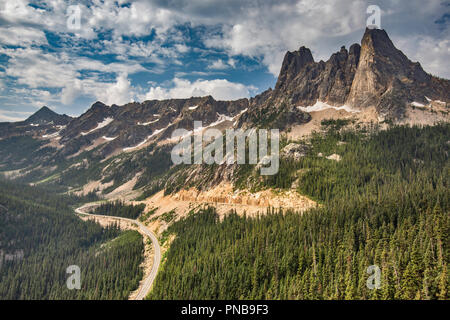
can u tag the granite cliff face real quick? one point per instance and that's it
(327, 81)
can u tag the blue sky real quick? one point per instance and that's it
(137, 50)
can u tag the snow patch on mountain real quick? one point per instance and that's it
(146, 139)
(320, 106)
(147, 123)
(109, 138)
(417, 104)
(136, 146)
(50, 136)
(100, 125)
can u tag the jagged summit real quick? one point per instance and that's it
(293, 63)
(302, 80)
(373, 74)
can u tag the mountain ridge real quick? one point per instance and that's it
(373, 75)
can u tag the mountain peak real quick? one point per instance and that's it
(377, 41)
(98, 104)
(45, 116)
(44, 113)
(45, 109)
(376, 34)
(387, 79)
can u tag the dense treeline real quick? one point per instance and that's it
(40, 236)
(385, 204)
(119, 209)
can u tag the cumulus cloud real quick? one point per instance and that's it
(117, 93)
(71, 91)
(259, 29)
(36, 69)
(219, 89)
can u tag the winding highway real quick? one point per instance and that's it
(148, 281)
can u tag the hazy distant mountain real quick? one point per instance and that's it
(46, 116)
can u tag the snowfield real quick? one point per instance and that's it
(147, 123)
(102, 124)
(320, 106)
(109, 139)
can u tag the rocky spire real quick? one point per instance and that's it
(293, 63)
(384, 69)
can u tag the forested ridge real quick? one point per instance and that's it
(119, 209)
(43, 235)
(385, 204)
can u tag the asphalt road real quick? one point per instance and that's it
(148, 281)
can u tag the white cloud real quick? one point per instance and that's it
(433, 56)
(36, 69)
(232, 62)
(218, 65)
(263, 29)
(277, 26)
(266, 30)
(219, 89)
(22, 36)
(256, 29)
(137, 19)
(53, 17)
(182, 48)
(117, 93)
(71, 91)
(8, 115)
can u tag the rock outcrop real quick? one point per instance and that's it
(295, 151)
